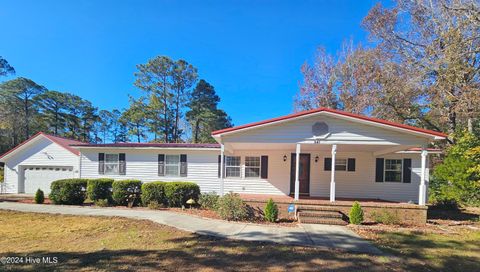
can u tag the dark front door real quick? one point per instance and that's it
(304, 174)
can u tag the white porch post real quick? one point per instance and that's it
(222, 168)
(332, 177)
(422, 197)
(297, 172)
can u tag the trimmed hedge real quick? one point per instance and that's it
(177, 193)
(125, 190)
(153, 192)
(39, 197)
(68, 191)
(98, 189)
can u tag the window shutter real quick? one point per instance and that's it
(264, 167)
(379, 170)
(407, 170)
(183, 165)
(351, 165)
(122, 164)
(327, 164)
(101, 163)
(161, 164)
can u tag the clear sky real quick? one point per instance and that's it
(251, 51)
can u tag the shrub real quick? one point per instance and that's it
(39, 197)
(177, 193)
(457, 179)
(153, 192)
(68, 191)
(208, 200)
(102, 202)
(126, 192)
(271, 211)
(100, 189)
(387, 217)
(356, 214)
(154, 205)
(231, 207)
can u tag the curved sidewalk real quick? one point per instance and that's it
(326, 236)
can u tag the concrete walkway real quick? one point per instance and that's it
(326, 236)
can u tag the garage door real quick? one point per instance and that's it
(40, 177)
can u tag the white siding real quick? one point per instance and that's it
(341, 130)
(203, 170)
(40, 152)
(202, 166)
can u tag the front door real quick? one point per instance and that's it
(304, 174)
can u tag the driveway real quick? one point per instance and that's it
(326, 236)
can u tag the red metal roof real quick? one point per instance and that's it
(343, 113)
(63, 142)
(164, 145)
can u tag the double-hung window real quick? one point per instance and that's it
(252, 167)
(172, 165)
(232, 166)
(111, 164)
(340, 164)
(393, 170)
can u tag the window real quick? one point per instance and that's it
(232, 166)
(393, 170)
(111, 164)
(172, 165)
(252, 167)
(340, 164)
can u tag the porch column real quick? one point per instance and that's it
(222, 168)
(332, 177)
(422, 197)
(297, 174)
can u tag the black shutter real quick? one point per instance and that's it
(161, 164)
(327, 164)
(183, 165)
(123, 164)
(264, 167)
(407, 170)
(379, 170)
(351, 164)
(219, 164)
(101, 163)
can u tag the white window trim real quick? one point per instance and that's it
(240, 167)
(346, 165)
(385, 170)
(259, 168)
(178, 165)
(105, 163)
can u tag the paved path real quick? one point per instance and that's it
(326, 236)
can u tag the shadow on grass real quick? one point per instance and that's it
(200, 253)
(438, 252)
(451, 214)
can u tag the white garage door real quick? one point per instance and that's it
(40, 177)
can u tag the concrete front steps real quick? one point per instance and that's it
(313, 214)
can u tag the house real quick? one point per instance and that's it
(340, 155)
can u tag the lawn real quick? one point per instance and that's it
(100, 243)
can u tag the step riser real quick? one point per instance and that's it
(320, 215)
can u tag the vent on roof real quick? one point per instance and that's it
(319, 129)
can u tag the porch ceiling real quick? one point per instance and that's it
(314, 147)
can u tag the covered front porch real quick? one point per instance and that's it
(328, 172)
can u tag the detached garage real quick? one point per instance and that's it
(37, 162)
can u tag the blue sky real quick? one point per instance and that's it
(251, 51)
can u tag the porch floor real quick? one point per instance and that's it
(310, 200)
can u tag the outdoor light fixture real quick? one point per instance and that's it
(316, 158)
(284, 157)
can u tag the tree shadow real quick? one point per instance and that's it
(456, 214)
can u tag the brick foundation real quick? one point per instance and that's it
(408, 214)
